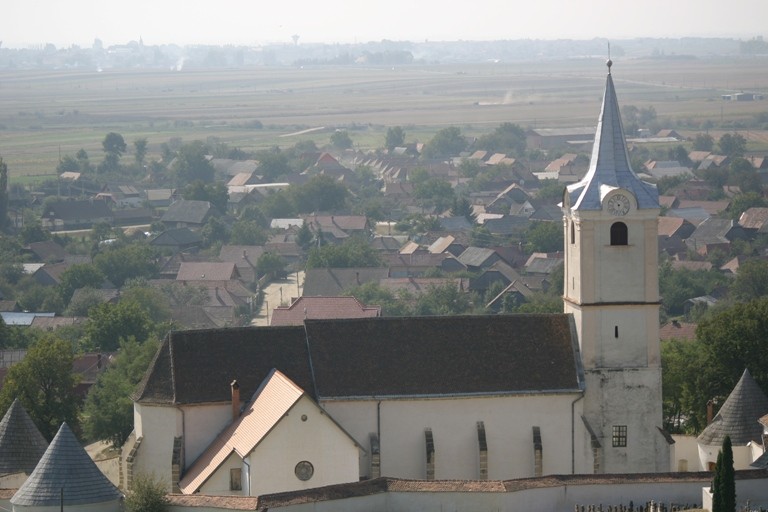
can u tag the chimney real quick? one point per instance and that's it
(710, 411)
(235, 400)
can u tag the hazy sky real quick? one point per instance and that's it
(30, 22)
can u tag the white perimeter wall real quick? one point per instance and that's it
(551, 499)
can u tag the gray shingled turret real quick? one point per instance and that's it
(65, 465)
(21, 443)
(609, 167)
(738, 416)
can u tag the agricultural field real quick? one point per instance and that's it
(48, 114)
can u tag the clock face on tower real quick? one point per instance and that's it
(618, 205)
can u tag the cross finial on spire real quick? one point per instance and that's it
(609, 63)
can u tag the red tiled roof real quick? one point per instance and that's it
(318, 308)
(677, 330)
(206, 271)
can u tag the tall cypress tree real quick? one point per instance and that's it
(727, 486)
(717, 498)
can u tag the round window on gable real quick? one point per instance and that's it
(304, 470)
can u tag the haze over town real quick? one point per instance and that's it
(240, 22)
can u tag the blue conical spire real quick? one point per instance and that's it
(609, 167)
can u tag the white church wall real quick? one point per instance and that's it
(219, 482)
(202, 423)
(686, 454)
(158, 426)
(508, 421)
(742, 456)
(304, 434)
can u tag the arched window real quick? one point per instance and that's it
(573, 233)
(619, 235)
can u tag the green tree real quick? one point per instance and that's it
(373, 294)
(507, 138)
(395, 137)
(45, 385)
(703, 142)
(340, 139)
(192, 165)
(446, 143)
(751, 282)
(726, 487)
(745, 176)
(680, 155)
(68, 164)
(140, 150)
(463, 208)
(114, 146)
(744, 202)
(80, 275)
(272, 164)
(109, 323)
(434, 192)
(321, 193)
(353, 252)
(717, 497)
(146, 495)
(5, 333)
(681, 361)
(215, 193)
(732, 144)
(123, 262)
(3, 195)
(247, 232)
(270, 263)
(214, 232)
(150, 299)
(730, 339)
(545, 237)
(443, 300)
(304, 236)
(108, 408)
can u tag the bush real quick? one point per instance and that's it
(147, 495)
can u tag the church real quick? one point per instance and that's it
(249, 411)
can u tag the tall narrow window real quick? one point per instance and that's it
(236, 479)
(619, 235)
(615, 331)
(573, 233)
(619, 436)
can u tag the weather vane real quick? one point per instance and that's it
(610, 62)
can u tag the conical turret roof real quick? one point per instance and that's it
(65, 465)
(21, 443)
(739, 415)
(609, 167)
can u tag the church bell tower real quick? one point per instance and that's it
(611, 288)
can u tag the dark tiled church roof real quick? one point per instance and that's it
(65, 465)
(197, 366)
(427, 356)
(21, 443)
(739, 415)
